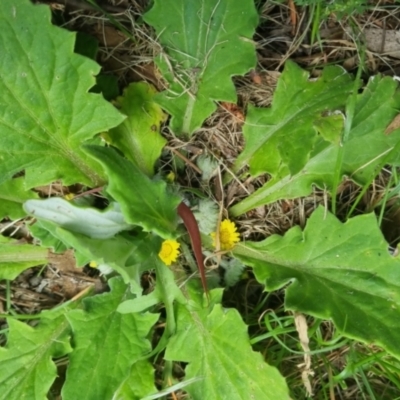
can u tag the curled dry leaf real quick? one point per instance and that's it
(395, 124)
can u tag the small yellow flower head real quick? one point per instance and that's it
(169, 251)
(93, 264)
(228, 235)
(69, 196)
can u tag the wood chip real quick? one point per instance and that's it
(395, 124)
(381, 41)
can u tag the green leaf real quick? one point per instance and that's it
(207, 216)
(375, 109)
(166, 291)
(12, 194)
(45, 238)
(86, 45)
(46, 111)
(142, 302)
(26, 367)
(87, 220)
(127, 254)
(107, 85)
(330, 127)
(283, 133)
(229, 368)
(111, 251)
(208, 165)
(338, 271)
(107, 344)
(138, 137)
(16, 258)
(206, 43)
(143, 201)
(233, 271)
(139, 384)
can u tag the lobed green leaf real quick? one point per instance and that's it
(143, 201)
(215, 343)
(138, 137)
(26, 367)
(284, 133)
(204, 44)
(46, 111)
(339, 271)
(365, 151)
(107, 345)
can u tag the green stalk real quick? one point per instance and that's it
(164, 276)
(163, 280)
(316, 21)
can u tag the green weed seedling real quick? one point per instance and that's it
(53, 129)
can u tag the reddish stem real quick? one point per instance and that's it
(192, 227)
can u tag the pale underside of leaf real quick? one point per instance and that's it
(89, 221)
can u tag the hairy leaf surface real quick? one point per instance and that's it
(46, 111)
(107, 344)
(205, 43)
(338, 271)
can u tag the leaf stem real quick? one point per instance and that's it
(163, 280)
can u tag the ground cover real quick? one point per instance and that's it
(228, 189)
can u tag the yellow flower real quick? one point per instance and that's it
(228, 235)
(169, 251)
